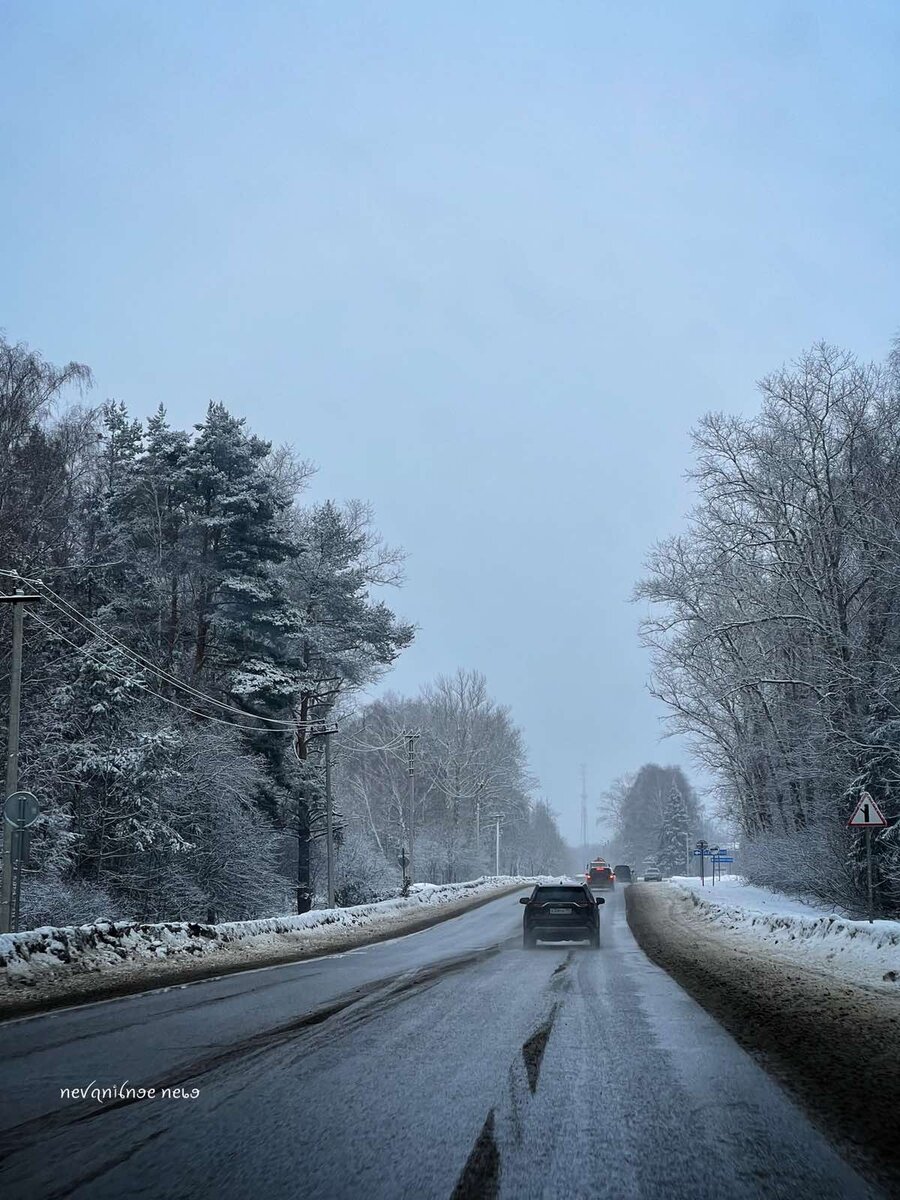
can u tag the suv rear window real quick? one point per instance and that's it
(574, 895)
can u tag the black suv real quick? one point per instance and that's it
(561, 912)
(623, 873)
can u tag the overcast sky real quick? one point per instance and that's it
(485, 263)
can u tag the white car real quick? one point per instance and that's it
(652, 875)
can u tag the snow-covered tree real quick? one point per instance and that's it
(674, 833)
(190, 597)
(637, 806)
(470, 768)
(774, 621)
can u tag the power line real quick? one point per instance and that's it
(79, 619)
(72, 567)
(150, 691)
(89, 626)
(361, 748)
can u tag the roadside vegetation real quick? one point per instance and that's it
(656, 817)
(774, 623)
(200, 620)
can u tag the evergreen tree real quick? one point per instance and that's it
(674, 834)
(343, 640)
(639, 807)
(181, 560)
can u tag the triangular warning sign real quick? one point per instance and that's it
(867, 813)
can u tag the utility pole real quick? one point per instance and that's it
(12, 750)
(497, 858)
(411, 739)
(329, 823)
(479, 788)
(584, 837)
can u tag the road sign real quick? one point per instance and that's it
(22, 809)
(721, 858)
(867, 814)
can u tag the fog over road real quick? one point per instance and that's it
(447, 1063)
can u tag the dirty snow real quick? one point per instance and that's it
(801, 931)
(26, 958)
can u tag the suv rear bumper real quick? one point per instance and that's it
(561, 933)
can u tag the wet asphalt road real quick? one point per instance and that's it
(448, 1064)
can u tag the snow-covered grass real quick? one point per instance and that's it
(26, 958)
(802, 931)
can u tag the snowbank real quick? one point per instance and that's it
(26, 958)
(798, 930)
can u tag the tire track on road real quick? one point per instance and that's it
(356, 1007)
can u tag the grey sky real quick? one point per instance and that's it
(485, 263)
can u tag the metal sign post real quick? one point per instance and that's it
(867, 815)
(703, 847)
(21, 852)
(20, 812)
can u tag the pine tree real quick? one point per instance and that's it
(190, 550)
(343, 640)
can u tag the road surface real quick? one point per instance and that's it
(450, 1063)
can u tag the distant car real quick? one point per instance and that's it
(600, 875)
(652, 875)
(622, 873)
(561, 912)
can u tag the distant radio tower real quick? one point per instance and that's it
(584, 827)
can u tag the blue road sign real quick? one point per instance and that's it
(720, 859)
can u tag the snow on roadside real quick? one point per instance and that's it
(795, 929)
(26, 958)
